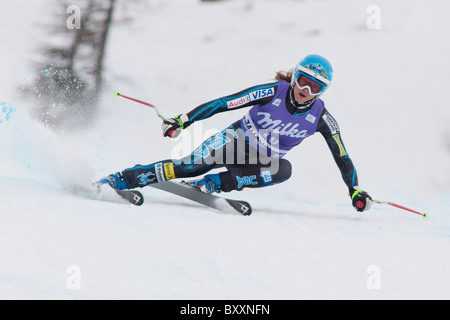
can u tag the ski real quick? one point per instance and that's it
(132, 196)
(209, 200)
(180, 189)
(107, 193)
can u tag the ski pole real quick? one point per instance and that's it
(118, 94)
(425, 214)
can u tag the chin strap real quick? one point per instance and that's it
(301, 106)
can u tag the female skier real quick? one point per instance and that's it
(251, 149)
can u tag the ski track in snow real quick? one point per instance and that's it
(303, 240)
(174, 249)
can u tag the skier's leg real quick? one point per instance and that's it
(227, 148)
(245, 176)
(140, 176)
(246, 167)
(211, 154)
(254, 176)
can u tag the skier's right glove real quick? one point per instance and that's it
(172, 127)
(360, 199)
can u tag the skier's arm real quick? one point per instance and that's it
(329, 129)
(260, 94)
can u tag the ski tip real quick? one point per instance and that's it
(242, 207)
(134, 197)
(117, 93)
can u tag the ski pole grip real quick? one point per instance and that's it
(180, 122)
(172, 132)
(356, 193)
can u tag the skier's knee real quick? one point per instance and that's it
(284, 170)
(240, 177)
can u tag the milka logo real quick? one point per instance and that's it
(255, 95)
(277, 126)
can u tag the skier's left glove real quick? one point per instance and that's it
(360, 199)
(172, 127)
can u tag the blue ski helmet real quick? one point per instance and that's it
(316, 68)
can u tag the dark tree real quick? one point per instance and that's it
(68, 80)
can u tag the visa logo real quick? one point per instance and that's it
(259, 94)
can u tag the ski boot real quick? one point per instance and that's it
(208, 184)
(115, 181)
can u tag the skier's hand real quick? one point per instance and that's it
(360, 199)
(172, 127)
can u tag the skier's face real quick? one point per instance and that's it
(302, 95)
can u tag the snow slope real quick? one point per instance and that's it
(304, 240)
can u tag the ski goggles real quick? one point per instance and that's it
(314, 87)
